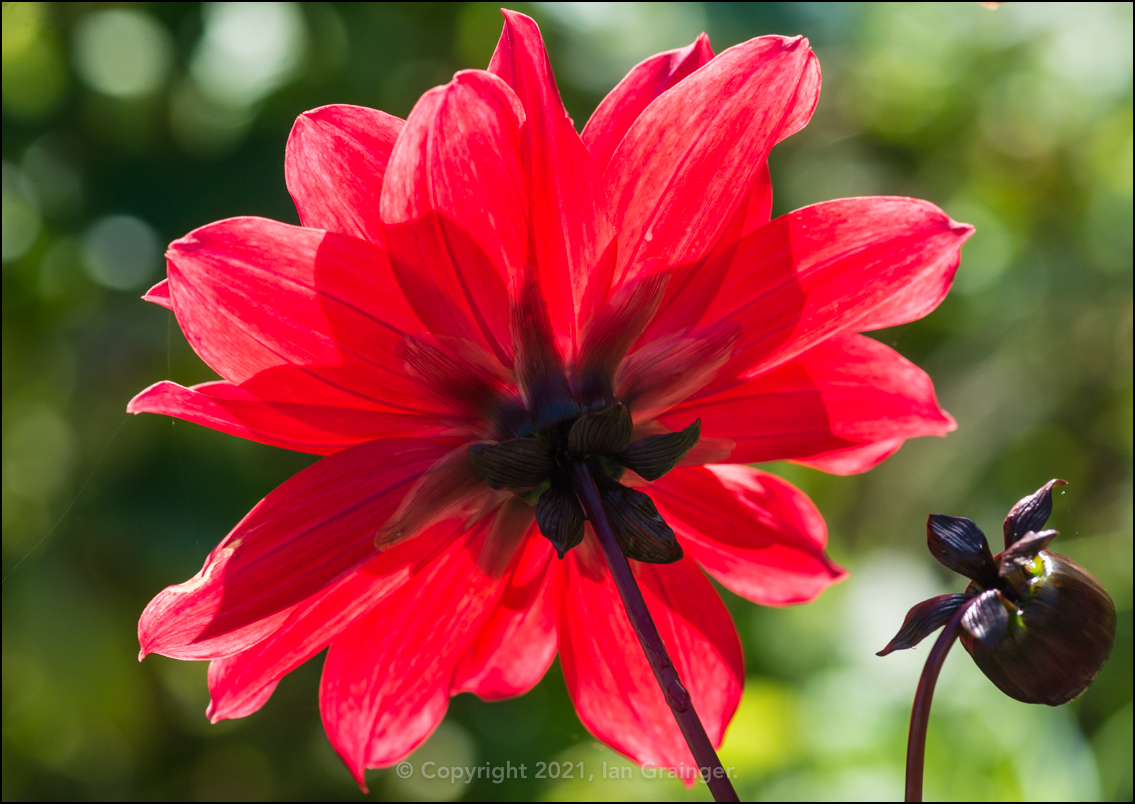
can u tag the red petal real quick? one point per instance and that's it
(448, 488)
(760, 536)
(318, 429)
(512, 524)
(242, 683)
(853, 460)
(672, 368)
(334, 164)
(807, 96)
(831, 268)
(571, 231)
(463, 377)
(240, 703)
(305, 535)
(294, 314)
(386, 678)
(645, 82)
(517, 645)
(159, 294)
(684, 168)
(610, 681)
(844, 393)
(692, 287)
(455, 208)
(610, 333)
(759, 210)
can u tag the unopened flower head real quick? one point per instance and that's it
(1036, 622)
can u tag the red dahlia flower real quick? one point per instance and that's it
(477, 294)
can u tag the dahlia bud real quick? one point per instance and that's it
(1047, 647)
(1037, 623)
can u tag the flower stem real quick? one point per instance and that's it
(920, 713)
(672, 689)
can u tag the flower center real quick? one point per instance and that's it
(536, 468)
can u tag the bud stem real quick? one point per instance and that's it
(920, 713)
(667, 676)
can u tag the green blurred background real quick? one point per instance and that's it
(126, 125)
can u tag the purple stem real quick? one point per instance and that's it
(920, 713)
(672, 690)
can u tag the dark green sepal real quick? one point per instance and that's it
(603, 432)
(560, 517)
(654, 456)
(986, 619)
(519, 463)
(642, 532)
(960, 546)
(1030, 513)
(924, 619)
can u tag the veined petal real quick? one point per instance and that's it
(293, 313)
(610, 333)
(386, 678)
(847, 392)
(242, 683)
(468, 381)
(334, 166)
(692, 286)
(760, 536)
(826, 269)
(318, 429)
(645, 82)
(670, 369)
(518, 643)
(445, 490)
(455, 208)
(685, 166)
(607, 674)
(307, 534)
(572, 235)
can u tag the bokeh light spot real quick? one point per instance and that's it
(447, 748)
(39, 449)
(21, 219)
(248, 50)
(121, 52)
(121, 252)
(610, 38)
